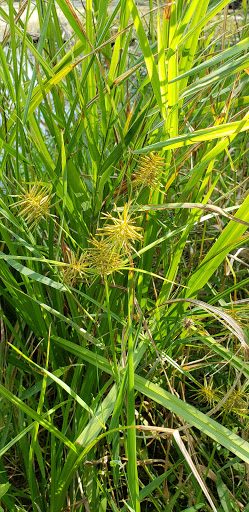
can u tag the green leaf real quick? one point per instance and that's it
(4, 489)
(187, 412)
(212, 133)
(37, 417)
(147, 53)
(223, 493)
(218, 251)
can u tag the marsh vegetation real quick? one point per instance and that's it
(124, 214)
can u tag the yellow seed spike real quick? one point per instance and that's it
(237, 402)
(34, 203)
(103, 258)
(123, 232)
(76, 269)
(149, 172)
(207, 393)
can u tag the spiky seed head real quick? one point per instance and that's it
(34, 203)
(237, 402)
(123, 232)
(76, 269)
(207, 393)
(149, 171)
(103, 258)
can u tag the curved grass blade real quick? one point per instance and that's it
(187, 412)
(37, 417)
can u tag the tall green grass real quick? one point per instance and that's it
(124, 258)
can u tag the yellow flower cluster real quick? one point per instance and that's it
(122, 233)
(105, 256)
(237, 402)
(34, 203)
(207, 393)
(149, 172)
(118, 235)
(76, 268)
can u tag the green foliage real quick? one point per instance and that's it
(123, 257)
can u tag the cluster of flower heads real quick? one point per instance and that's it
(34, 203)
(149, 172)
(76, 268)
(114, 242)
(122, 233)
(105, 254)
(237, 402)
(98, 260)
(208, 394)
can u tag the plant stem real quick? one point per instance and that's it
(131, 435)
(116, 372)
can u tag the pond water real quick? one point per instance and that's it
(33, 24)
